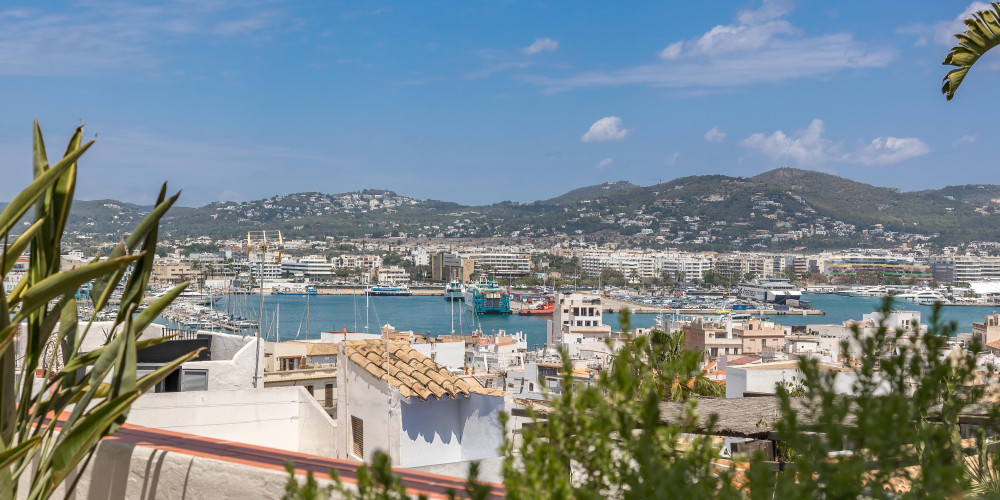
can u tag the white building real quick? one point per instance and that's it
(762, 378)
(578, 324)
(393, 275)
(418, 412)
(313, 267)
(504, 264)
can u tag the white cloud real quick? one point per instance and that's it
(99, 36)
(944, 31)
(884, 151)
(541, 45)
(715, 135)
(603, 163)
(608, 128)
(672, 51)
(965, 139)
(672, 159)
(809, 148)
(757, 48)
(769, 9)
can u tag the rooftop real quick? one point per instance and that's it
(412, 373)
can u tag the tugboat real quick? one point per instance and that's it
(539, 308)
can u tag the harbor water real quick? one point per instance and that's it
(431, 315)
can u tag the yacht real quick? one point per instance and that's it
(776, 291)
(924, 296)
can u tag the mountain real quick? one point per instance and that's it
(782, 208)
(589, 192)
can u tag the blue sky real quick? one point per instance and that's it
(483, 101)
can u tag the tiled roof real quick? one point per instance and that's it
(743, 360)
(412, 373)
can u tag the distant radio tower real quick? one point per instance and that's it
(262, 244)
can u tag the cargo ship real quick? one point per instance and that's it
(453, 291)
(389, 291)
(487, 297)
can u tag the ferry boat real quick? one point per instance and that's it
(390, 291)
(775, 291)
(309, 290)
(487, 297)
(453, 291)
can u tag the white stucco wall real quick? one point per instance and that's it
(740, 380)
(286, 418)
(361, 395)
(121, 470)
(450, 355)
(231, 374)
(450, 430)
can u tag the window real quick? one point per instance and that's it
(358, 435)
(194, 380)
(328, 395)
(310, 389)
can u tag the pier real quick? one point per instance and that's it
(614, 306)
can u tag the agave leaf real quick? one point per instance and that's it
(153, 310)
(977, 39)
(104, 286)
(10, 455)
(53, 286)
(26, 198)
(151, 379)
(17, 247)
(148, 224)
(66, 186)
(89, 358)
(76, 441)
(40, 161)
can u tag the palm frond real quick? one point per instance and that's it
(983, 34)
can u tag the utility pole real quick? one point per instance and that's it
(262, 244)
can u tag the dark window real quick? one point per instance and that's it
(328, 394)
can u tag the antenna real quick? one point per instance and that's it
(262, 244)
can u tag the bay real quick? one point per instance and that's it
(433, 315)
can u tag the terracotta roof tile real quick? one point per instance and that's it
(412, 373)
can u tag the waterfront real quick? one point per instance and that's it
(432, 315)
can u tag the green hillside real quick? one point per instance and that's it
(782, 208)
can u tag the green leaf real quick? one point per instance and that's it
(153, 310)
(16, 248)
(978, 39)
(10, 455)
(88, 358)
(76, 441)
(26, 198)
(53, 286)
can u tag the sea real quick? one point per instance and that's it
(285, 315)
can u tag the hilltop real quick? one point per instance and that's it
(780, 208)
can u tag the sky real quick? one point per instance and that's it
(483, 101)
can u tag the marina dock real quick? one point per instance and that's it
(614, 306)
